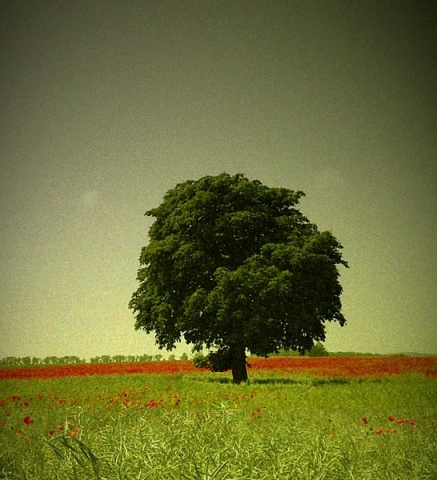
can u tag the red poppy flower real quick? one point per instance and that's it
(28, 420)
(391, 418)
(365, 421)
(152, 404)
(412, 422)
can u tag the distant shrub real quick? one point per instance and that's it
(318, 350)
(200, 361)
(218, 361)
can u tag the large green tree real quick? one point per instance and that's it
(232, 265)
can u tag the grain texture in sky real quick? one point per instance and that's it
(106, 105)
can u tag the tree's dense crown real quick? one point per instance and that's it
(233, 262)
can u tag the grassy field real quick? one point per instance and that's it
(198, 425)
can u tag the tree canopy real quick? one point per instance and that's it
(232, 265)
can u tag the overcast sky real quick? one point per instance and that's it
(106, 105)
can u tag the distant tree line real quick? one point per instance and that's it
(73, 360)
(317, 350)
(200, 360)
(27, 361)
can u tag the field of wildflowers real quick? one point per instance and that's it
(325, 366)
(299, 418)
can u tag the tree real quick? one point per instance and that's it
(232, 265)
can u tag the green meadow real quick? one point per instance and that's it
(200, 426)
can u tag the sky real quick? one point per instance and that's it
(106, 105)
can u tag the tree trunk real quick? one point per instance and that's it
(238, 364)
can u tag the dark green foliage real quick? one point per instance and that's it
(221, 360)
(232, 264)
(200, 360)
(218, 361)
(318, 350)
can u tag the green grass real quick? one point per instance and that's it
(203, 427)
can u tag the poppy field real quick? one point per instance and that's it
(298, 418)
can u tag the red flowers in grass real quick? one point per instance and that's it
(331, 366)
(256, 413)
(28, 420)
(412, 422)
(399, 421)
(361, 367)
(409, 421)
(48, 371)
